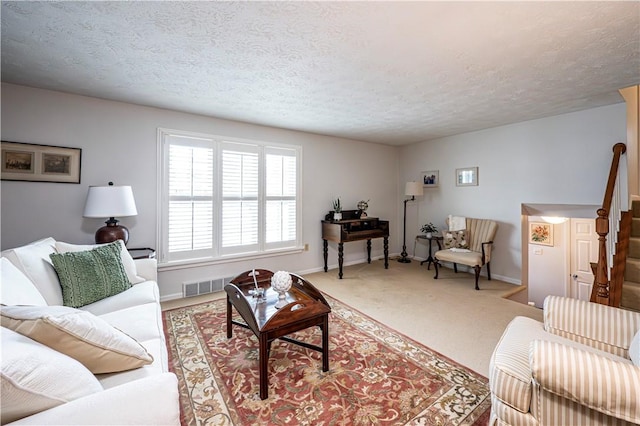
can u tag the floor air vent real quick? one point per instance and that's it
(203, 287)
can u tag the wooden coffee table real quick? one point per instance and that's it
(306, 308)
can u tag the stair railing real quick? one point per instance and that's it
(608, 225)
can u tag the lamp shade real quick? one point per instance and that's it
(413, 188)
(110, 201)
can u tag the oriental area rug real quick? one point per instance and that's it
(376, 377)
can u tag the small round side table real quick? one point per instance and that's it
(429, 260)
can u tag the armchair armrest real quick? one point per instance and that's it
(147, 269)
(602, 327)
(592, 380)
(486, 255)
(149, 401)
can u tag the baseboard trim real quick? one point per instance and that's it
(351, 263)
(173, 296)
(392, 257)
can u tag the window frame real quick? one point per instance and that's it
(218, 253)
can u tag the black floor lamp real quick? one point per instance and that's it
(411, 189)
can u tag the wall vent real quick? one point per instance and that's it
(203, 287)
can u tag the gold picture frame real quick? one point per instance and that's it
(541, 233)
(40, 163)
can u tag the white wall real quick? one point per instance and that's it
(563, 159)
(118, 142)
(549, 265)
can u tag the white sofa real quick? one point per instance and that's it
(580, 367)
(143, 395)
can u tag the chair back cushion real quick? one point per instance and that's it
(599, 326)
(481, 231)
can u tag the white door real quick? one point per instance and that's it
(584, 250)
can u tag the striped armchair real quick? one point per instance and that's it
(478, 235)
(573, 369)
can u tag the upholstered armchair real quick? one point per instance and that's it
(579, 367)
(470, 246)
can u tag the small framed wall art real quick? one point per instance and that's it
(541, 233)
(40, 163)
(467, 176)
(430, 178)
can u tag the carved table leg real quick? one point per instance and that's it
(229, 313)
(386, 252)
(340, 258)
(264, 361)
(369, 250)
(325, 252)
(325, 343)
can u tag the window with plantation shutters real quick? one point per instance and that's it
(221, 197)
(280, 193)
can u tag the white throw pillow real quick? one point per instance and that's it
(33, 261)
(36, 378)
(127, 261)
(16, 288)
(79, 334)
(634, 349)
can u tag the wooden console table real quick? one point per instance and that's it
(354, 228)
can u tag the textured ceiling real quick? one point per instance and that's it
(386, 72)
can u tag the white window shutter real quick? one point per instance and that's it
(224, 197)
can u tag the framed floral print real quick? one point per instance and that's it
(541, 233)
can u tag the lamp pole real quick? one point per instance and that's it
(404, 258)
(411, 189)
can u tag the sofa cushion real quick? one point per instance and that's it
(16, 288)
(33, 261)
(36, 378)
(151, 401)
(78, 334)
(92, 275)
(142, 322)
(455, 239)
(127, 261)
(139, 294)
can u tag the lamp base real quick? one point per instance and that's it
(404, 254)
(112, 232)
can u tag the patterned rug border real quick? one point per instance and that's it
(479, 415)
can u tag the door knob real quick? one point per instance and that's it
(574, 276)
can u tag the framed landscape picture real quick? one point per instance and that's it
(40, 163)
(430, 178)
(541, 233)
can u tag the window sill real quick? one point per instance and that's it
(195, 263)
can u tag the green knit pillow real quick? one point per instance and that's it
(89, 276)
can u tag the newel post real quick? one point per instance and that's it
(602, 275)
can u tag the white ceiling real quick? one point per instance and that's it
(386, 72)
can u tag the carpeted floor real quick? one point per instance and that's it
(446, 314)
(376, 376)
